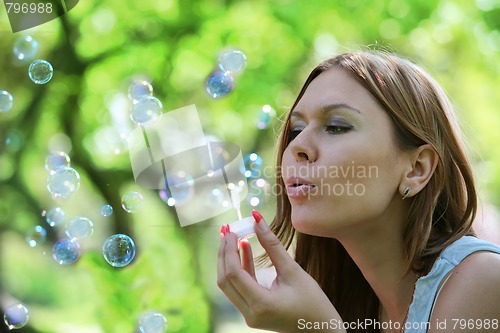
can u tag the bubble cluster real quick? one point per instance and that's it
(55, 216)
(16, 316)
(106, 210)
(132, 202)
(145, 109)
(55, 160)
(63, 182)
(6, 101)
(152, 322)
(79, 227)
(221, 81)
(219, 84)
(139, 89)
(265, 115)
(25, 48)
(119, 250)
(253, 165)
(40, 71)
(36, 236)
(232, 60)
(66, 251)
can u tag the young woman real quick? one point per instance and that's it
(378, 205)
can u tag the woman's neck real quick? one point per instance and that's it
(377, 249)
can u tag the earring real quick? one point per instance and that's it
(406, 192)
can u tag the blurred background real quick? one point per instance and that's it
(100, 48)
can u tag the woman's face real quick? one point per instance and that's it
(342, 166)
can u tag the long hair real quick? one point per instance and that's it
(439, 214)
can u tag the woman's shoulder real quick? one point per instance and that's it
(470, 293)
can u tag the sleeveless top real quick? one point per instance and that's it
(427, 287)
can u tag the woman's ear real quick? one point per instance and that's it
(423, 160)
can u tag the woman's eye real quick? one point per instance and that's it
(338, 129)
(293, 134)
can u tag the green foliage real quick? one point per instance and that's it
(99, 47)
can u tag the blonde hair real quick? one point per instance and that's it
(439, 214)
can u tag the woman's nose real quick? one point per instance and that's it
(303, 147)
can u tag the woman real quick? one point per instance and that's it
(378, 208)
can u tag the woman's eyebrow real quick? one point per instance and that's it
(327, 108)
(336, 106)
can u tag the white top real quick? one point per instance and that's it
(427, 287)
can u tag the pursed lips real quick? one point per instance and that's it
(298, 187)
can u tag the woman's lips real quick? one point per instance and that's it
(299, 190)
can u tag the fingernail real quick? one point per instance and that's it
(257, 216)
(223, 230)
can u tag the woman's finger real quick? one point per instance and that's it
(247, 257)
(241, 280)
(227, 288)
(278, 255)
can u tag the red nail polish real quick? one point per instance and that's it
(228, 228)
(257, 216)
(223, 229)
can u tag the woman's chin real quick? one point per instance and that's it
(305, 226)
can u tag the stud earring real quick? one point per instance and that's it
(406, 192)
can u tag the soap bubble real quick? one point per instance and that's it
(40, 71)
(66, 251)
(36, 236)
(132, 202)
(152, 322)
(79, 227)
(16, 316)
(118, 250)
(253, 165)
(232, 60)
(145, 109)
(25, 48)
(106, 210)
(6, 101)
(55, 216)
(139, 89)
(219, 84)
(63, 182)
(266, 114)
(55, 160)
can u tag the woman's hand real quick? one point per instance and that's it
(294, 298)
